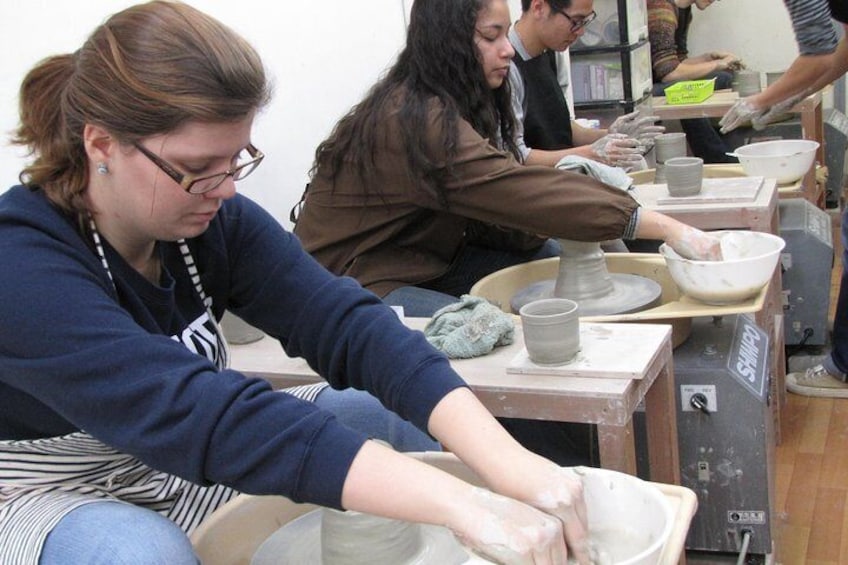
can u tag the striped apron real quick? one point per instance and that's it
(42, 480)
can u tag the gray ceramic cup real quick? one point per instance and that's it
(668, 146)
(746, 82)
(684, 176)
(551, 330)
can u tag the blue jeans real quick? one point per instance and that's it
(418, 302)
(837, 362)
(361, 411)
(114, 533)
(473, 264)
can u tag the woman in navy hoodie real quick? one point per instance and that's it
(121, 428)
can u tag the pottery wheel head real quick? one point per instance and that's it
(630, 293)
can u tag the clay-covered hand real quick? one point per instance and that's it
(557, 491)
(765, 118)
(720, 54)
(617, 149)
(727, 61)
(508, 531)
(644, 129)
(742, 112)
(692, 243)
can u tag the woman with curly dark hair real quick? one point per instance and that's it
(417, 193)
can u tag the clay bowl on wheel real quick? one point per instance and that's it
(786, 160)
(749, 262)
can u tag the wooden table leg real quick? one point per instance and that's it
(617, 447)
(661, 417)
(812, 127)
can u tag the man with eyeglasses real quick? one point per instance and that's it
(545, 131)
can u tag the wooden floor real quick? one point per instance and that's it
(811, 478)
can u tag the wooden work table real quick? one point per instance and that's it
(619, 367)
(809, 109)
(759, 214)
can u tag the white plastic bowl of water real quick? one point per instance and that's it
(749, 260)
(786, 160)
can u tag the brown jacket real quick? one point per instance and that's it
(402, 236)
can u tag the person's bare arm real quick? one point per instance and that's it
(699, 67)
(551, 158)
(541, 507)
(689, 242)
(807, 74)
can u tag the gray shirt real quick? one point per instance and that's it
(815, 32)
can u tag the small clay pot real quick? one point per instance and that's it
(746, 82)
(684, 176)
(551, 330)
(668, 146)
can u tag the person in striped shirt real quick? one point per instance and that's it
(823, 58)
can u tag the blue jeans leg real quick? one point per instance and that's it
(115, 533)
(418, 302)
(473, 264)
(837, 362)
(476, 262)
(359, 410)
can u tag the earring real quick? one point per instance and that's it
(102, 169)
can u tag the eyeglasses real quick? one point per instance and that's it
(198, 185)
(579, 23)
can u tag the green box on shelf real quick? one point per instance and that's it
(689, 91)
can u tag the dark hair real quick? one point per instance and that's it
(147, 70)
(556, 5)
(440, 60)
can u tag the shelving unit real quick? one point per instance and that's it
(611, 63)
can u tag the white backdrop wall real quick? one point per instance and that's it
(322, 58)
(758, 31)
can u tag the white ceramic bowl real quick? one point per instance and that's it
(786, 160)
(749, 262)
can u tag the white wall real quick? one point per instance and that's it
(322, 58)
(758, 31)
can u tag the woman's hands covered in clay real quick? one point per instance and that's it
(695, 244)
(687, 241)
(508, 531)
(512, 532)
(543, 518)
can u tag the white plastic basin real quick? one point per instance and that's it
(786, 160)
(749, 262)
(629, 519)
